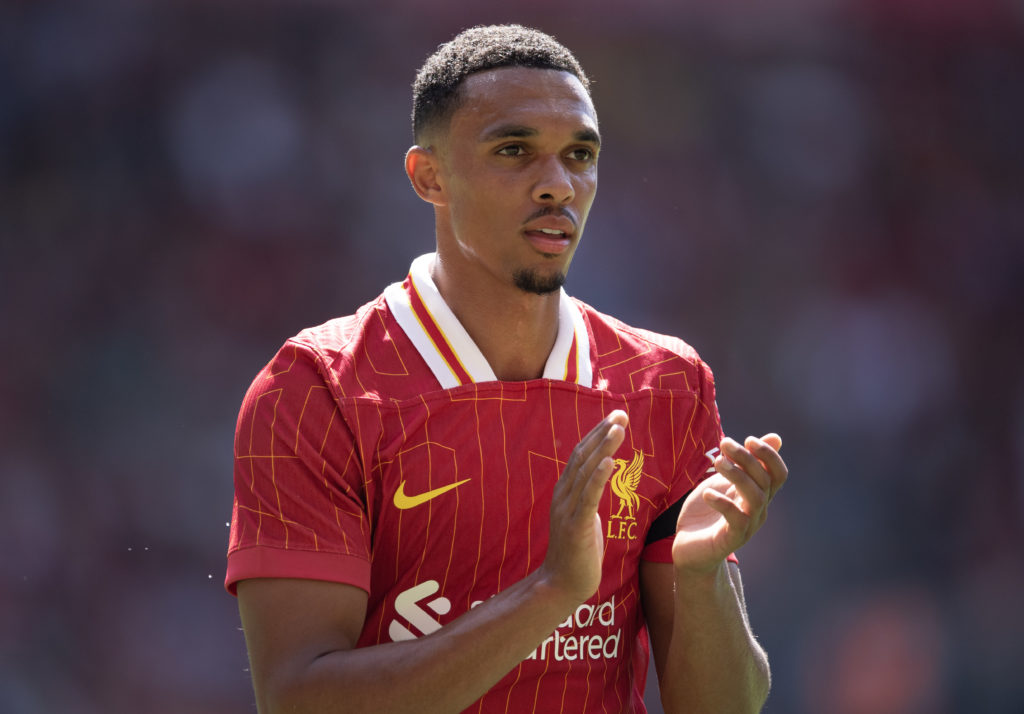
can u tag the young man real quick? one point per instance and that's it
(423, 518)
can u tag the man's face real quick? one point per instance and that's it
(519, 169)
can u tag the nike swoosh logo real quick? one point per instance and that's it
(403, 501)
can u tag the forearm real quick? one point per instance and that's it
(445, 671)
(714, 664)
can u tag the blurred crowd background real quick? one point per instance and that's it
(824, 197)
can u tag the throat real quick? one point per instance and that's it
(516, 344)
(517, 368)
(514, 325)
(518, 356)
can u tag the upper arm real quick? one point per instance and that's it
(290, 623)
(657, 595)
(299, 499)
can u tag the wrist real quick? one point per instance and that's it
(550, 590)
(698, 582)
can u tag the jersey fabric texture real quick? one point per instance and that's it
(379, 450)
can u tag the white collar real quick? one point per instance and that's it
(450, 352)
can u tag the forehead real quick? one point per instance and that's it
(546, 100)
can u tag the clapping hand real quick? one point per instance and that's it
(725, 510)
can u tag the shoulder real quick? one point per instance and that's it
(364, 355)
(344, 336)
(312, 357)
(637, 358)
(610, 333)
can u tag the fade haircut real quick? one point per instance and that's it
(435, 93)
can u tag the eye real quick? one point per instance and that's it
(582, 154)
(511, 150)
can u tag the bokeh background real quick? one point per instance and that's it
(823, 197)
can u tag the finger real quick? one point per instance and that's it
(597, 470)
(741, 525)
(750, 464)
(752, 493)
(597, 466)
(766, 449)
(618, 416)
(593, 488)
(583, 450)
(601, 442)
(596, 436)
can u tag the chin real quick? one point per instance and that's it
(538, 282)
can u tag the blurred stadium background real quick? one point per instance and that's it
(824, 197)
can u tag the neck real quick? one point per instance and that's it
(514, 330)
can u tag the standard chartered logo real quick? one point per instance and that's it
(574, 639)
(407, 604)
(566, 643)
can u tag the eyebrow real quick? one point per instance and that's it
(520, 131)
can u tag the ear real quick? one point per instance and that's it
(422, 166)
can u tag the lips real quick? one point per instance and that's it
(551, 235)
(546, 242)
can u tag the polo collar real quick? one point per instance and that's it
(450, 352)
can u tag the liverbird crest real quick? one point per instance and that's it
(624, 484)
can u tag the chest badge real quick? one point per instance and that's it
(625, 480)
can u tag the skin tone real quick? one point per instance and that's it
(512, 178)
(499, 175)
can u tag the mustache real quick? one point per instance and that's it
(559, 211)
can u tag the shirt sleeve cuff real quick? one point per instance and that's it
(263, 562)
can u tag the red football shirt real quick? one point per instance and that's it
(379, 450)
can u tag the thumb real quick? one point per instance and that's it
(773, 440)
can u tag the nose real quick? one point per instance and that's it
(554, 183)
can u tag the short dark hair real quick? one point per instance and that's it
(435, 93)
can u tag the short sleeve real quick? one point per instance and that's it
(299, 505)
(702, 436)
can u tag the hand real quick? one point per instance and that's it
(727, 508)
(575, 542)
